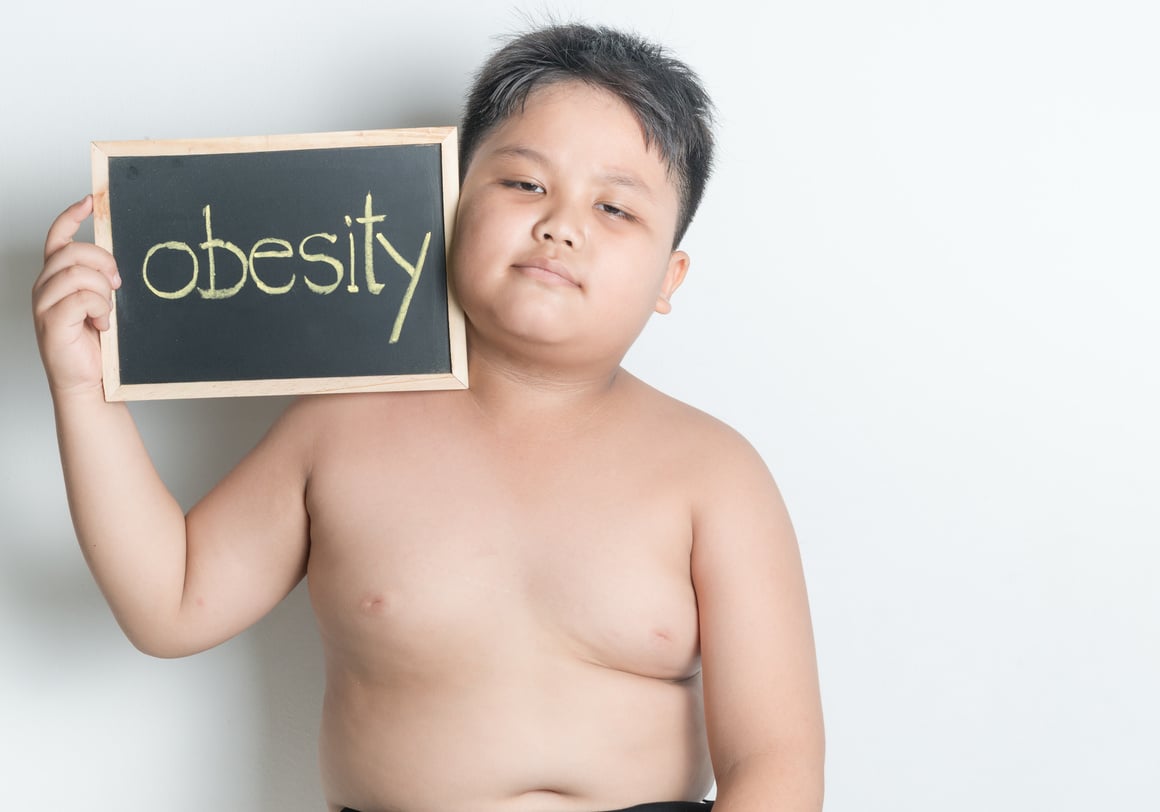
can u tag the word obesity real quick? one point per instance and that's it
(278, 248)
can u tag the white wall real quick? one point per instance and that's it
(924, 285)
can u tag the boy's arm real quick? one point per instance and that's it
(762, 704)
(174, 586)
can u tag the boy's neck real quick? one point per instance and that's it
(509, 391)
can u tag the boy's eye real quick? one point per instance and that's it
(614, 211)
(524, 186)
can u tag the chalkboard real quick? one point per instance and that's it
(295, 264)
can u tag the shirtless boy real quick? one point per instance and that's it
(559, 590)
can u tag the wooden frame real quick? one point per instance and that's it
(445, 137)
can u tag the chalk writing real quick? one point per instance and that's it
(169, 267)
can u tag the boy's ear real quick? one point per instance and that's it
(674, 276)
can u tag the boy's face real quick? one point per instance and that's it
(565, 228)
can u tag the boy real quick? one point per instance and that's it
(559, 590)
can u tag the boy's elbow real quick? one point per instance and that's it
(163, 641)
(161, 649)
(787, 776)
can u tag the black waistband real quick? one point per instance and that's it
(663, 806)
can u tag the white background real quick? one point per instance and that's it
(924, 285)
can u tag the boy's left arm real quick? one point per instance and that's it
(762, 704)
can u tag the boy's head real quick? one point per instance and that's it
(666, 97)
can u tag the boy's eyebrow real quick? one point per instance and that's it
(617, 178)
(521, 151)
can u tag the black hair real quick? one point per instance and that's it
(664, 94)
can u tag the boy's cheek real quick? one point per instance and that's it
(471, 233)
(467, 268)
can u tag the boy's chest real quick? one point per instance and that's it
(440, 561)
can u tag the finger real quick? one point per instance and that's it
(102, 323)
(64, 320)
(79, 254)
(68, 281)
(65, 226)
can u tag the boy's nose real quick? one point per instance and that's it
(566, 240)
(559, 229)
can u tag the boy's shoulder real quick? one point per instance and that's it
(689, 428)
(321, 419)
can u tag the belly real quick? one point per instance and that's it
(521, 732)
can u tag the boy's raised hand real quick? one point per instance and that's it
(71, 302)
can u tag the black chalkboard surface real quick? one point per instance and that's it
(291, 264)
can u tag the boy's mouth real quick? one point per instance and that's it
(547, 270)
